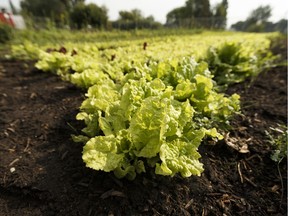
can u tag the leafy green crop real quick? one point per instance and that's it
(234, 62)
(152, 107)
(144, 122)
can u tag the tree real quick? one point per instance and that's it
(70, 4)
(56, 10)
(175, 17)
(53, 9)
(220, 15)
(195, 13)
(201, 8)
(257, 21)
(97, 16)
(135, 20)
(239, 26)
(281, 26)
(203, 13)
(260, 14)
(126, 15)
(79, 16)
(42, 8)
(132, 15)
(91, 14)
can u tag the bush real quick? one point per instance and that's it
(6, 33)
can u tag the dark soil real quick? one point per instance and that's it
(42, 173)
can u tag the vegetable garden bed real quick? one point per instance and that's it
(42, 172)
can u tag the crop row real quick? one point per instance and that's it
(151, 103)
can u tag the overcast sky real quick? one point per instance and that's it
(238, 9)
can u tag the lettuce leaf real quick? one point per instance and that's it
(179, 156)
(101, 153)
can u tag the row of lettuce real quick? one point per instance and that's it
(151, 103)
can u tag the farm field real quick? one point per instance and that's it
(42, 171)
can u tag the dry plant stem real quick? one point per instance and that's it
(282, 184)
(248, 180)
(240, 173)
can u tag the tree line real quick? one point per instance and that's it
(193, 14)
(77, 14)
(258, 21)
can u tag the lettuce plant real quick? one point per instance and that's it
(156, 122)
(233, 62)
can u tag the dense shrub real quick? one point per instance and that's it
(6, 33)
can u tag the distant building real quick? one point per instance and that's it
(16, 21)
